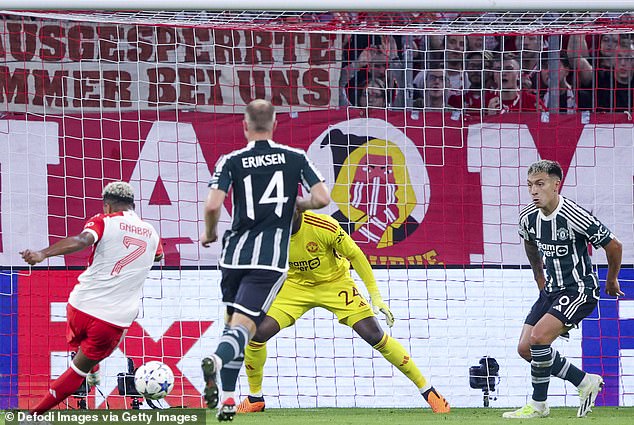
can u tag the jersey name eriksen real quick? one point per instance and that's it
(141, 231)
(263, 160)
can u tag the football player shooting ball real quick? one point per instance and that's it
(105, 301)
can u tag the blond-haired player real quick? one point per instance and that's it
(319, 276)
(262, 180)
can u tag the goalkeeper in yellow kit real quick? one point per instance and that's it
(319, 276)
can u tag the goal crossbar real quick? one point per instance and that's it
(371, 22)
(412, 5)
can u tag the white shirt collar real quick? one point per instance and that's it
(554, 213)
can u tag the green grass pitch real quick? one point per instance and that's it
(479, 416)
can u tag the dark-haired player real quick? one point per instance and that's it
(556, 233)
(105, 302)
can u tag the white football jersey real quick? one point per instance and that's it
(123, 254)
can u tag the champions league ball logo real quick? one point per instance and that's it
(377, 178)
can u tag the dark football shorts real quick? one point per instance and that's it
(571, 307)
(250, 291)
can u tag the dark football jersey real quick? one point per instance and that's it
(264, 178)
(562, 239)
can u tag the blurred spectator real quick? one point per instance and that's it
(612, 89)
(432, 92)
(454, 62)
(342, 18)
(567, 96)
(493, 65)
(454, 44)
(355, 45)
(584, 60)
(445, 52)
(374, 95)
(471, 98)
(508, 94)
(531, 48)
(479, 43)
(378, 62)
(435, 42)
(442, 52)
(475, 43)
(433, 49)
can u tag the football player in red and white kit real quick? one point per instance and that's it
(105, 302)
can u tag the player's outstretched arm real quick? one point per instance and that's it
(213, 207)
(535, 260)
(363, 268)
(63, 247)
(614, 254)
(319, 197)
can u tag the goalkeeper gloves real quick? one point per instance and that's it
(378, 305)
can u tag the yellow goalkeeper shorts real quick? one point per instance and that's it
(341, 297)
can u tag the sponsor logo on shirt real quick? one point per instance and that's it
(552, 250)
(305, 265)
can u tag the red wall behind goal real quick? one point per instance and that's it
(447, 228)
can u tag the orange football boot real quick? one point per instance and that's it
(251, 405)
(437, 402)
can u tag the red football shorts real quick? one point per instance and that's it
(96, 338)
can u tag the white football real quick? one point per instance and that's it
(154, 380)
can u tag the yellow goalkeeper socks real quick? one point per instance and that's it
(254, 359)
(396, 354)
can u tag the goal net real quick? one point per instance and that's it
(454, 105)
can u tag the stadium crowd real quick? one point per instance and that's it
(489, 75)
(474, 74)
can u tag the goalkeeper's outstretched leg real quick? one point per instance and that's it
(369, 329)
(395, 353)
